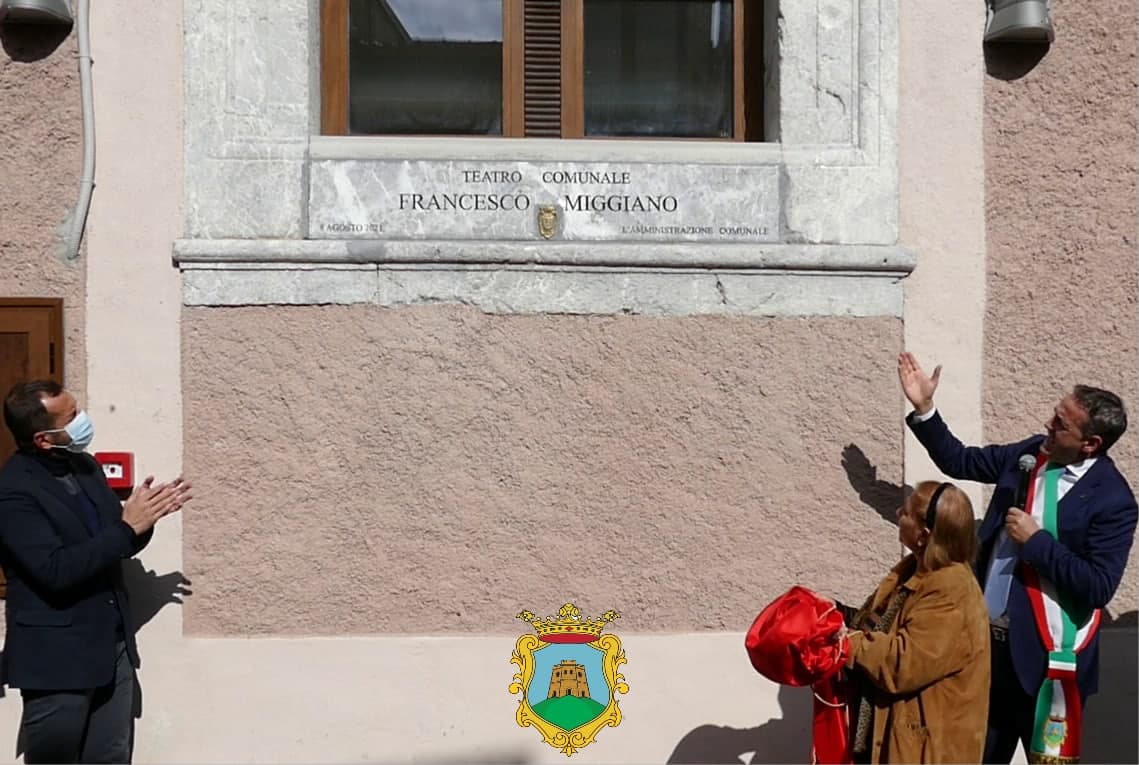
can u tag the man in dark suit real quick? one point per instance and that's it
(1047, 568)
(69, 645)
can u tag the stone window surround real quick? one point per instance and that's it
(252, 117)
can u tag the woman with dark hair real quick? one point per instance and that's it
(919, 646)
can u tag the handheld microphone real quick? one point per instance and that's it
(1026, 464)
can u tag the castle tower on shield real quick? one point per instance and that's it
(568, 679)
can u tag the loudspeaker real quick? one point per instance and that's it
(1024, 21)
(35, 12)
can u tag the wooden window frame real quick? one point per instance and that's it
(334, 67)
(747, 106)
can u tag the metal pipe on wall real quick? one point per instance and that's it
(87, 182)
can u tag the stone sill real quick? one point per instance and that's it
(888, 261)
(587, 278)
(661, 151)
(547, 290)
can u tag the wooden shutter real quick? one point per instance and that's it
(542, 68)
(747, 31)
(334, 67)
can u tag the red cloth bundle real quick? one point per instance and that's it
(792, 642)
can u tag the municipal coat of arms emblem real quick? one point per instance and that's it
(1055, 731)
(568, 678)
(548, 221)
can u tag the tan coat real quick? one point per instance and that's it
(930, 671)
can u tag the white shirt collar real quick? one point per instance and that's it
(1078, 469)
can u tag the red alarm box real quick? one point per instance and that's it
(118, 467)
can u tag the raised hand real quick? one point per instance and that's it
(148, 503)
(916, 384)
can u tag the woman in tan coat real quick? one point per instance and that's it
(919, 647)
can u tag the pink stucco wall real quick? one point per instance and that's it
(1063, 270)
(40, 154)
(432, 470)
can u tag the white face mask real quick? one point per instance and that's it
(81, 430)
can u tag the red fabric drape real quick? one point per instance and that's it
(792, 642)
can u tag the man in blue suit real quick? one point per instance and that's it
(1046, 569)
(69, 645)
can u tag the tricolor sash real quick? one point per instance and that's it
(1065, 630)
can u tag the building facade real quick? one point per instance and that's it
(422, 381)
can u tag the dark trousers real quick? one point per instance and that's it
(95, 725)
(1011, 710)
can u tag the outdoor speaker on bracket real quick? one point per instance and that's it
(35, 12)
(1020, 21)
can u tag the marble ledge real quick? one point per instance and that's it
(316, 253)
(471, 149)
(548, 289)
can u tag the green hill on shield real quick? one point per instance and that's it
(568, 712)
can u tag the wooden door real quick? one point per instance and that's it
(31, 348)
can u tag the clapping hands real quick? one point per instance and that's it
(148, 503)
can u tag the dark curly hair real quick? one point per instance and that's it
(24, 412)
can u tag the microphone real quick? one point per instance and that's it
(1026, 463)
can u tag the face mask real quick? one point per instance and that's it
(82, 433)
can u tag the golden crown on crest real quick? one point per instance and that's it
(569, 626)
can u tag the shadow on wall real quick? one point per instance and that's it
(1011, 61)
(786, 739)
(32, 42)
(150, 593)
(882, 497)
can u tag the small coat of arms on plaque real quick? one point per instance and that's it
(548, 221)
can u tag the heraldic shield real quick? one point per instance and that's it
(568, 678)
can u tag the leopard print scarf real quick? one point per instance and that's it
(865, 619)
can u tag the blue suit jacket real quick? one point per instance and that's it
(63, 581)
(1096, 527)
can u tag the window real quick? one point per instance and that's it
(688, 69)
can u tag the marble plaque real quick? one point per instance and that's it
(559, 201)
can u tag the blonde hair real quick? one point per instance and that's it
(953, 538)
